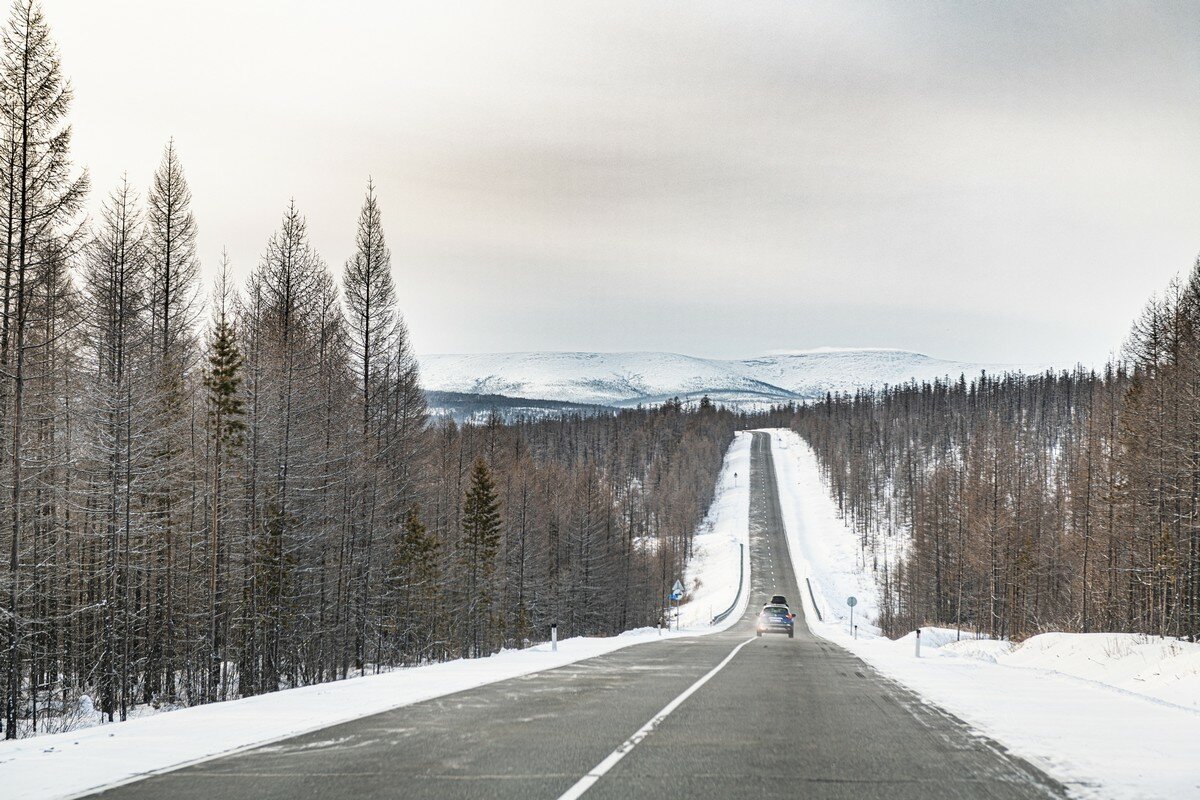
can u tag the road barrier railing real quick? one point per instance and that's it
(741, 580)
(813, 595)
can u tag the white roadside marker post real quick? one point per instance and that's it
(554, 637)
(918, 642)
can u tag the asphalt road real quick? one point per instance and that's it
(783, 718)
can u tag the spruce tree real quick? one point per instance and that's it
(413, 586)
(477, 554)
(222, 381)
(224, 374)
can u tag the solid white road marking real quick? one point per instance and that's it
(610, 761)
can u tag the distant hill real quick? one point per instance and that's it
(465, 406)
(623, 380)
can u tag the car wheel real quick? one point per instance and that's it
(758, 634)
(791, 634)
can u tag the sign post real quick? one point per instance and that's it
(852, 601)
(554, 636)
(676, 596)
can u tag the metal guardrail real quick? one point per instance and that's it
(816, 607)
(741, 579)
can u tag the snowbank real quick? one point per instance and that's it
(719, 547)
(69, 764)
(1109, 715)
(1165, 669)
(77, 762)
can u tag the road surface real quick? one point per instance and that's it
(782, 718)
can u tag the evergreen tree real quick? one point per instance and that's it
(477, 556)
(222, 381)
(223, 377)
(413, 583)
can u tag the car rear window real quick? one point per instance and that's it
(776, 611)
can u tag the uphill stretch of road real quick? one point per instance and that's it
(771, 717)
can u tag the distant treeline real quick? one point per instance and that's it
(466, 407)
(210, 500)
(1021, 504)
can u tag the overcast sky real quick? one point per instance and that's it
(984, 181)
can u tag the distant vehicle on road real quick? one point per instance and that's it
(778, 600)
(776, 619)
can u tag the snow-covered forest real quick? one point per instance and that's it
(1024, 504)
(219, 490)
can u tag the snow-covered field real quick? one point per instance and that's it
(73, 763)
(1110, 715)
(627, 379)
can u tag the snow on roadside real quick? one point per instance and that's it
(711, 583)
(78, 762)
(69, 764)
(1162, 668)
(829, 564)
(1109, 715)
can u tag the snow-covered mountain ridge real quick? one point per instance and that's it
(629, 378)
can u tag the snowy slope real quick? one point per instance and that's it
(715, 580)
(626, 379)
